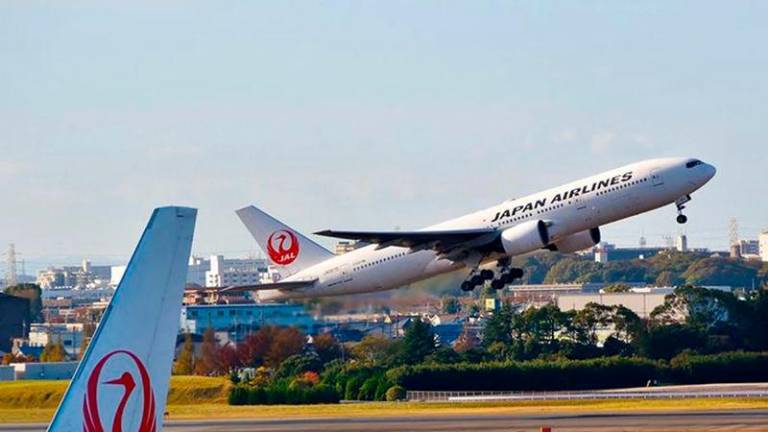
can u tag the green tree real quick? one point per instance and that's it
(375, 349)
(298, 364)
(450, 305)
(418, 343)
(498, 327)
(586, 322)
(617, 288)
(667, 341)
(185, 363)
(721, 271)
(667, 278)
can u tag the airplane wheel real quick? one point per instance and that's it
(497, 284)
(681, 218)
(466, 286)
(477, 280)
(486, 274)
(516, 273)
(505, 278)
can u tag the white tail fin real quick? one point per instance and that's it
(122, 381)
(285, 247)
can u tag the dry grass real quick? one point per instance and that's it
(383, 409)
(41, 395)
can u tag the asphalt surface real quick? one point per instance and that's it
(741, 420)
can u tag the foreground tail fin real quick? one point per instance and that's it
(122, 380)
(285, 247)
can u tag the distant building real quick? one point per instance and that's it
(14, 320)
(763, 245)
(343, 247)
(238, 320)
(117, 275)
(69, 335)
(85, 276)
(640, 303)
(749, 247)
(681, 243)
(196, 270)
(235, 271)
(603, 251)
(199, 296)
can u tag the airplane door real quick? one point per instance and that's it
(656, 178)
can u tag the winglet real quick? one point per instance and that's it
(122, 381)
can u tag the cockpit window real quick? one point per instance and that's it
(693, 163)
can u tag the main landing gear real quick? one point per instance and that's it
(680, 204)
(507, 275)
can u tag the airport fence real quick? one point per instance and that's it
(490, 396)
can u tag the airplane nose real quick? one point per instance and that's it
(709, 171)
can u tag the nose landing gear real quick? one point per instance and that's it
(680, 204)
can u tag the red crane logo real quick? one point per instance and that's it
(91, 413)
(283, 247)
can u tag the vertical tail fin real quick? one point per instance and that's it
(285, 247)
(122, 381)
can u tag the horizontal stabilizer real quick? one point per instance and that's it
(285, 286)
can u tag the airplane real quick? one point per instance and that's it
(122, 381)
(566, 218)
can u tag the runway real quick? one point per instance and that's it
(741, 420)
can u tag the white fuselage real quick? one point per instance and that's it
(571, 208)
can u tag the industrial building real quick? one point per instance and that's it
(236, 271)
(69, 335)
(238, 320)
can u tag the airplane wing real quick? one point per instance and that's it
(284, 286)
(441, 241)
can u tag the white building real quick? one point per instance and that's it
(641, 303)
(601, 252)
(196, 270)
(69, 335)
(681, 243)
(235, 271)
(117, 275)
(763, 245)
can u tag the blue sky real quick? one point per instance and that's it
(365, 115)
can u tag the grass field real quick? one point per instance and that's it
(205, 398)
(184, 390)
(382, 409)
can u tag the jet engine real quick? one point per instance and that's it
(525, 237)
(576, 242)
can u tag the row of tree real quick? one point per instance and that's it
(667, 268)
(691, 319)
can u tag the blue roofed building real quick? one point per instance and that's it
(238, 320)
